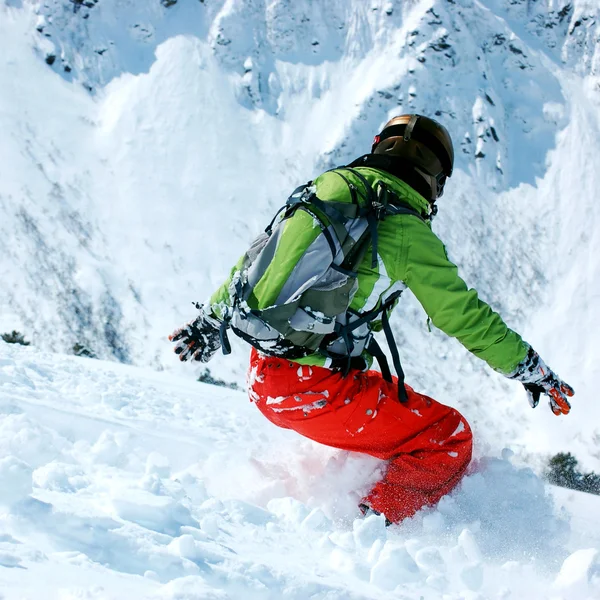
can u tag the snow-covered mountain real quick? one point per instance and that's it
(144, 145)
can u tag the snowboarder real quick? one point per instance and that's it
(325, 389)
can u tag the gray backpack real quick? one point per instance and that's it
(311, 313)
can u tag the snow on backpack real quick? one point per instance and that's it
(311, 313)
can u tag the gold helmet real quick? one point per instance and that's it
(424, 143)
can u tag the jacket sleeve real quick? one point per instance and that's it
(452, 307)
(221, 299)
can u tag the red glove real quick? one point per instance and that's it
(198, 340)
(539, 379)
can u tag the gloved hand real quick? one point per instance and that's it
(539, 379)
(198, 340)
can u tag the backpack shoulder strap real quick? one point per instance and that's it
(370, 196)
(402, 208)
(371, 211)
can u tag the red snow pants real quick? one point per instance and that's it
(427, 445)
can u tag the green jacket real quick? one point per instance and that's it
(409, 254)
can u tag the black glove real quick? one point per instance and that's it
(539, 379)
(198, 340)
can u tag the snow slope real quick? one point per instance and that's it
(122, 482)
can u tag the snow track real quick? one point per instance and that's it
(121, 482)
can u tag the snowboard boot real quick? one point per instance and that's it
(367, 511)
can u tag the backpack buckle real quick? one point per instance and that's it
(380, 210)
(381, 203)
